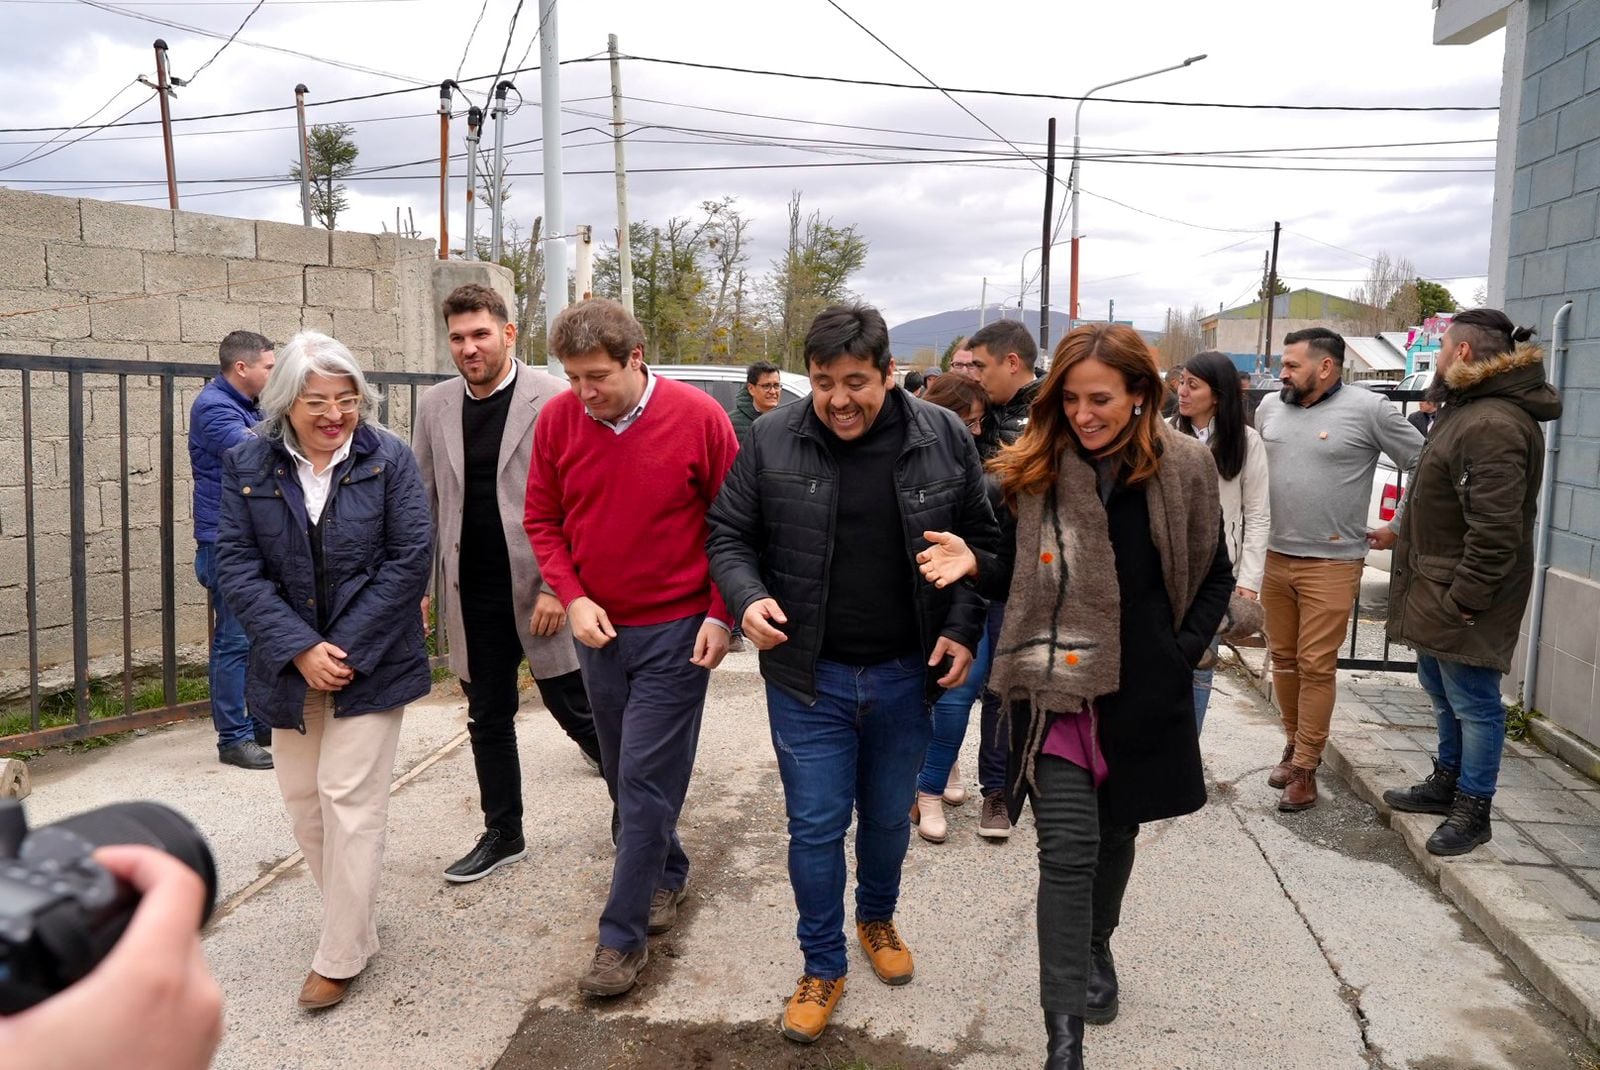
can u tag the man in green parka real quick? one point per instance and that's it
(763, 390)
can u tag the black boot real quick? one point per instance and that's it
(1101, 993)
(1432, 796)
(1064, 1048)
(1465, 828)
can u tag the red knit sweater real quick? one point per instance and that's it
(621, 519)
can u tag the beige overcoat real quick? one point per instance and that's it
(441, 455)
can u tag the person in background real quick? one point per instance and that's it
(224, 414)
(762, 393)
(929, 377)
(940, 780)
(961, 361)
(1211, 409)
(324, 550)
(1118, 576)
(473, 439)
(913, 382)
(1463, 563)
(1423, 419)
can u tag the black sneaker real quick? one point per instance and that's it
(246, 755)
(1434, 795)
(491, 852)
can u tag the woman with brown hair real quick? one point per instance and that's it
(1118, 576)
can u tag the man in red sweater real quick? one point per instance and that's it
(624, 468)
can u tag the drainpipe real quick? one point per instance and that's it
(1541, 531)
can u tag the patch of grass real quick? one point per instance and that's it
(1518, 718)
(105, 700)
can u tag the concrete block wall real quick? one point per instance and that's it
(105, 280)
(1554, 257)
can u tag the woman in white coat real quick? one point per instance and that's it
(1211, 407)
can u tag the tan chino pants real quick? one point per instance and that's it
(335, 784)
(1307, 601)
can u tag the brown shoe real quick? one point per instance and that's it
(1279, 777)
(613, 972)
(891, 959)
(810, 1007)
(994, 821)
(664, 909)
(319, 992)
(1301, 791)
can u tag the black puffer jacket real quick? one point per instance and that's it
(772, 530)
(1004, 424)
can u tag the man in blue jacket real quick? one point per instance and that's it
(224, 415)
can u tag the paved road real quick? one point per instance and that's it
(1250, 939)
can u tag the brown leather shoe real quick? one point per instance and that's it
(810, 1007)
(1279, 777)
(613, 972)
(1301, 791)
(664, 909)
(890, 957)
(320, 992)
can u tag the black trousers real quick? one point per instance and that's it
(1084, 866)
(494, 657)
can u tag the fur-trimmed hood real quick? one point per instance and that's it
(1517, 376)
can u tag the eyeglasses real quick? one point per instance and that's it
(962, 366)
(319, 407)
(770, 388)
(975, 426)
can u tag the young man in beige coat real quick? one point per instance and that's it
(474, 437)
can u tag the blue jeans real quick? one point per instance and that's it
(230, 651)
(950, 716)
(994, 744)
(1202, 692)
(1472, 721)
(858, 746)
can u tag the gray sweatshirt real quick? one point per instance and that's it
(1320, 462)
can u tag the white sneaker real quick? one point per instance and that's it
(955, 792)
(930, 818)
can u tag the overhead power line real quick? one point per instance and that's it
(471, 37)
(1064, 96)
(223, 47)
(36, 154)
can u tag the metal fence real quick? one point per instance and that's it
(31, 378)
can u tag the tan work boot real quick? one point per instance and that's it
(1279, 777)
(1301, 791)
(930, 818)
(955, 792)
(810, 1007)
(890, 957)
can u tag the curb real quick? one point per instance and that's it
(1556, 957)
(1569, 748)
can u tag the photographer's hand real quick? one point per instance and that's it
(151, 1001)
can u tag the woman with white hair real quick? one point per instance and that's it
(324, 549)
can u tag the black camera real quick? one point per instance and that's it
(60, 912)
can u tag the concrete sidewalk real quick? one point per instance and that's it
(1238, 922)
(1534, 890)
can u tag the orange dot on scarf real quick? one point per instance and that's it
(1047, 558)
(1072, 659)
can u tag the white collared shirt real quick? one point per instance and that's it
(1204, 433)
(314, 485)
(505, 383)
(624, 422)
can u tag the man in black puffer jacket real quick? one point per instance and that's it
(813, 541)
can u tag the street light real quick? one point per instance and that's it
(1072, 180)
(1022, 275)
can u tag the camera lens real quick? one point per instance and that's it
(151, 825)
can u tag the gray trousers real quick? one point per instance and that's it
(1083, 872)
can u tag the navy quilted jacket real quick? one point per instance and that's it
(219, 420)
(377, 540)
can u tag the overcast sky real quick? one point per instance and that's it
(935, 229)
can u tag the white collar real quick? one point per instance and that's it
(505, 383)
(338, 456)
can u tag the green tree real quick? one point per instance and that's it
(949, 352)
(1433, 298)
(1279, 287)
(331, 151)
(813, 274)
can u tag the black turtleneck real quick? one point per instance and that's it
(870, 615)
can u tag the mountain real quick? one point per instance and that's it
(936, 331)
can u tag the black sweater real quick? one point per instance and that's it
(485, 562)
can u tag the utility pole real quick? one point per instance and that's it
(1044, 254)
(445, 89)
(1111, 310)
(583, 277)
(474, 129)
(1272, 286)
(496, 209)
(300, 92)
(1261, 321)
(983, 302)
(624, 246)
(163, 89)
(555, 217)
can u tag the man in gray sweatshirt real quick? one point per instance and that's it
(1323, 441)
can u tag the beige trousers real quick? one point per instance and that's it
(335, 784)
(1307, 601)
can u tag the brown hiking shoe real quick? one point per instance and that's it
(891, 959)
(664, 909)
(1279, 777)
(1301, 791)
(613, 971)
(810, 1007)
(994, 823)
